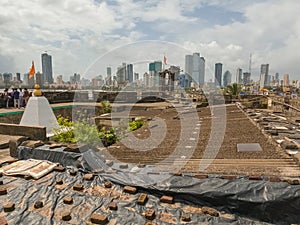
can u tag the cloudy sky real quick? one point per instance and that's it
(81, 33)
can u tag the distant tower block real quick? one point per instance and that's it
(38, 112)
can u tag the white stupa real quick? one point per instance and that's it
(38, 112)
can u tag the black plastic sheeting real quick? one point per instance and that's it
(271, 202)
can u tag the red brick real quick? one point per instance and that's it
(59, 168)
(113, 206)
(166, 199)
(3, 221)
(59, 181)
(78, 187)
(254, 177)
(150, 214)
(38, 205)
(3, 191)
(186, 217)
(201, 176)
(130, 190)
(229, 177)
(142, 199)
(107, 184)
(68, 200)
(88, 176)
(274, 179)
(66, 216)
(9, 207)
(99, 219)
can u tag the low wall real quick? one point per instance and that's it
(33, 132)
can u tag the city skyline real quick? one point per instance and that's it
(226, 32)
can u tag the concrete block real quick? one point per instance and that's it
(166, 199)
(142, 199)
(130, 190)
(99, 219)
(88, 176)
(150, 214)
(38, 205)
(113, 206)
(68, 200)
(9, 207)
(78, 187)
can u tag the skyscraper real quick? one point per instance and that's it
(264, 73)
(226, 78)
(47, 68)
(121, 74)
(239, 74)
(154, 69)
(129, 73)
(286, 80)
(218, 74)
(195, 68)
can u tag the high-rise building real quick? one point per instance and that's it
(136, 76)
(246, 78)
(39, 79)
(154, 69)
(227, 78)
(18, 76)
(59, 80)
(239, 74)
(264, 73)
(121, 74)
(47, 68)
(195, 68)
(129, 73)
(218, 74)
(286, 80)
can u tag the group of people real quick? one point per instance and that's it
(18, 96)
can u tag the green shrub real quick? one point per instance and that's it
(106, 107)
(135, 124)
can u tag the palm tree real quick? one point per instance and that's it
(233, 89)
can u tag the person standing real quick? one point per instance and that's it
(16, 95)
(6, 97)
(21, 97)
(25, 96)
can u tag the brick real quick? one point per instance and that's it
(1, 182)
(109, 162)
(229, 177)
(99, 219)
(78, 187)
(130, 190)
(68, 200)
(274, 179)
(142, 199)
(254, 177)
(32, 143)
(166, 199)
(113, 206)
(73, 172)
(38, 205)
(201, 176)
(3, 221)
(3, 191)
(59, 181)
(123, 166)
(55, 145)
(59, 168)
(150, 214)
(210, 211)
(9, 207)
(88, 176)
(107, 184)
(66, 216)
(27, 177)
(186, 217)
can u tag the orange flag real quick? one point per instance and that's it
(32, 70)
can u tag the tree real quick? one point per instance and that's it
(233, 89)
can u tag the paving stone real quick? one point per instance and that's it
(166, 199)
(59, 181)
(130, 190)
(66, 216)
(113, 206)
(186, 217)
(142, 199)
(68, 200)
(9, 207)
(99, 219)
(3, 190)
(88, 176)
(210, 211)
(59, 168)
(3, 221)
(78, 187)
(150, 214)
(201, 176)
(38, 205)
(107, 184)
